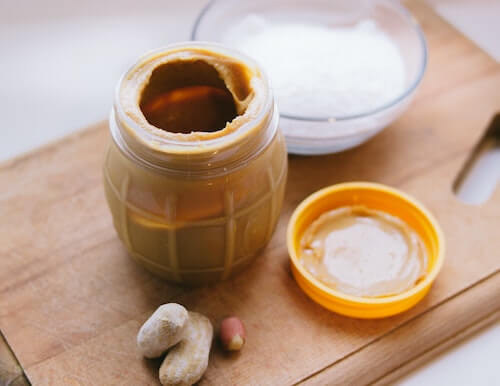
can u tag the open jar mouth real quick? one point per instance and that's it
(163, 148)
(188, 96)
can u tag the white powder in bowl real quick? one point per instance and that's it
(317, 71)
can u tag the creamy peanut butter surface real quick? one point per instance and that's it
(190, 74)
(363, 252)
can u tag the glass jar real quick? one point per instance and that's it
(195, 207)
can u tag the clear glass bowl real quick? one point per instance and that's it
(330, 134)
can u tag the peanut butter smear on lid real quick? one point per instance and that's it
(363, 252)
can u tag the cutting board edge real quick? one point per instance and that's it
(439, 348)
(91, 128)
(479, 300)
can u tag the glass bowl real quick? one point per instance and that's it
(329, 134)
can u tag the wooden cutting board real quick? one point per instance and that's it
(71, 301)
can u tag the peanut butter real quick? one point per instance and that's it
(363, 252)
(195, 174)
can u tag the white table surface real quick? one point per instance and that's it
(60, 61)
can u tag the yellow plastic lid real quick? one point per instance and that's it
(373, 196)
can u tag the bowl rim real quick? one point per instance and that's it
(359, 300)
(332, 119)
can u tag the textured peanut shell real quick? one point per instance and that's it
(186, 362)
(162, 330)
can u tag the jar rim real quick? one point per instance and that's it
(172, 145)
(167, 153)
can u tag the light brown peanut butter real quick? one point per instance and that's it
(363, 252)
(192, 67)
(195, 175)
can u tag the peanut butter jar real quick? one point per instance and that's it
(195, 172)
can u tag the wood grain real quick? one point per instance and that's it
(11, 372)
(440, 347)
(428, 331)
(71, 301)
